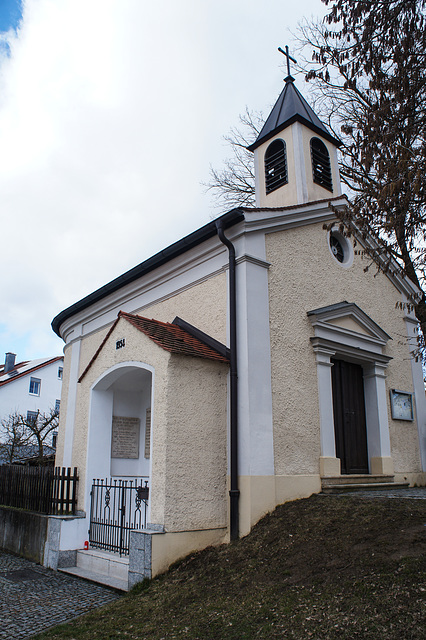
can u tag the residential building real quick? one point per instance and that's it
(30, 387)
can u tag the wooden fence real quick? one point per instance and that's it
(48, 490)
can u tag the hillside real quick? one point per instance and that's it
(327, 567)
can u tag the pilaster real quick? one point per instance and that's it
(325, 397)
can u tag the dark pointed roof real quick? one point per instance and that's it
(289, 107)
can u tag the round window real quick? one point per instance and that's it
(340, 248)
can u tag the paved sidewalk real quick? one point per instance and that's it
(33, 598)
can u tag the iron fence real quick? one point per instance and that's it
(117, 507)
(47, 490)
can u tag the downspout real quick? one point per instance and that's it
(234, 491)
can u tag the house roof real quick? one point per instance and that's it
(24, 453)
(22, 369)
(290, 107)
(170, 337)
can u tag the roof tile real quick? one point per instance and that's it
(173, 338)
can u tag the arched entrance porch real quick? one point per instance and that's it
(119, 454)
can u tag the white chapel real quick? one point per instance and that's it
(250, 363)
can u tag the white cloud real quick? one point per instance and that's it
(111, 112)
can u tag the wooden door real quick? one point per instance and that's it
(349, 416)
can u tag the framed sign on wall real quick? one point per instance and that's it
(401, 405)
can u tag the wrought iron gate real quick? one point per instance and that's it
(117, 507)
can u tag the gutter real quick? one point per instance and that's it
(234, 492)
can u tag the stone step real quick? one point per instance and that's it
(356, 479)
(97, 578)
(102, 567)
(368, 486)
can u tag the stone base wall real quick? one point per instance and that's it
(35, 536)
(23, 533)
(152, 551)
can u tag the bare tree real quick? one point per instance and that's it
(368, 75)
(13, 437)
(23, 437)
(233, 186)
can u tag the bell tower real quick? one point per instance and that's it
(295, 156)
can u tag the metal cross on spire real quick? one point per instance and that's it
(288, 56)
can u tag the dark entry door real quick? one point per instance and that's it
(349, 416)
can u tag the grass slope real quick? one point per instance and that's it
(327, 567)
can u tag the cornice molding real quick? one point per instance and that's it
(252, 260)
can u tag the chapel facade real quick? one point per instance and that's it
(254, 361)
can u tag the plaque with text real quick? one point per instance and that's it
(125, 437)
(401, 405)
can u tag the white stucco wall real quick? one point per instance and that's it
(304, 276)
(196, 445)
(203, 306)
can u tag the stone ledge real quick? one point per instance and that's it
(356, 479)
(370, 486)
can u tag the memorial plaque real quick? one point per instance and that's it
(125, 437)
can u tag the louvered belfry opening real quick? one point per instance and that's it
(321, 167)
(275, 165)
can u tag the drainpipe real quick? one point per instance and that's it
(234, 492)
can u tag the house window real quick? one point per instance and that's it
(275, 165)
(321, 167)
(35, 386)
(32, 416)
(60, 373)
(57, 406)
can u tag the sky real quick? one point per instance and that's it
(111, 114)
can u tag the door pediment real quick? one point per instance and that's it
(346, 324)
(349, 323)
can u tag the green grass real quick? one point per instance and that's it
(322, 568)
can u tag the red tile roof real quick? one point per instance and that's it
(166, 335)
(173, 338)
